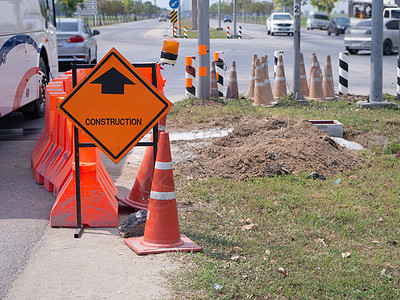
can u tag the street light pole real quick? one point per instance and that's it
(203, 41)
(375, 92)
(234, 18)
(296, 47)
(219, 15)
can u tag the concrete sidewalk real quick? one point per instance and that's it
(99, 265)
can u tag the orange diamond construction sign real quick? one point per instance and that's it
(115, 105)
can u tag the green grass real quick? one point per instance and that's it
(300, 225)
(193, 34)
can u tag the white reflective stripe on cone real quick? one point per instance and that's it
(259, 83)
(163, 165)
(315, 79)
(161, 127)
(162, 195)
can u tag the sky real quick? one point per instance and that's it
(342, 5)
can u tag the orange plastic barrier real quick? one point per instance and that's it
(53, 162)
(98, 203)
(161, 233)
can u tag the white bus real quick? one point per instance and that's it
(28, 55)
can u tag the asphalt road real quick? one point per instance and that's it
(25, 206)
(142, 42)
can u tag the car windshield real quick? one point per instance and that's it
(321, 17)
(67, 26)
(366, 23)
(282, 17)
(342, 20)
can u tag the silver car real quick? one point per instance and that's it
(358, 37)
(75, 42)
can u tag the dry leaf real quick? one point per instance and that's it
(267, 252)
(345, 254)
(320, 241)
(235, 257)
(249, 220)
(282, 271)
(248, 227)
(273, 262)
(375, 242)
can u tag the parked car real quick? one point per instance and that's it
(162, 18)
(75, 42)
(358, 37)
(280, 23)
(317, 20)
(391, 13)
(227, 19)
(338, 25)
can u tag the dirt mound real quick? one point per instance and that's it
(269, 147)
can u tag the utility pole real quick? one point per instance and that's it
(194, 14)
(296, 46)
(179, 19)
(219, 15)
(375, 92)
(234, 18)
(203, 41)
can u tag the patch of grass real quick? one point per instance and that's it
(269, 238)
(392, 148)
(248, 230)
(385, 121)
(193, 34)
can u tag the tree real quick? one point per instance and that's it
(324, 5)
(69, 6)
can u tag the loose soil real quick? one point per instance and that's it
(265, 147)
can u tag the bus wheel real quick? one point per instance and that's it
(39, 105)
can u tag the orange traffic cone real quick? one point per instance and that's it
(161, 233)
(303, 78)
(140, 192)
(280, 80)
(213, 82)
(232, 92)
(327, 82)
(316, 91)
(268, 90)
(259, 86)
(250, 93)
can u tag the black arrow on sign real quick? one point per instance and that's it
(112, 82)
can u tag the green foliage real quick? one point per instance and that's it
(321, 5)
(70, 6)
(392, 148)
(127, 6)
(324, 5)
(250, 6)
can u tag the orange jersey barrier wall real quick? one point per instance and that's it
(52, 162)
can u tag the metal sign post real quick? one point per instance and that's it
(296, 46)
